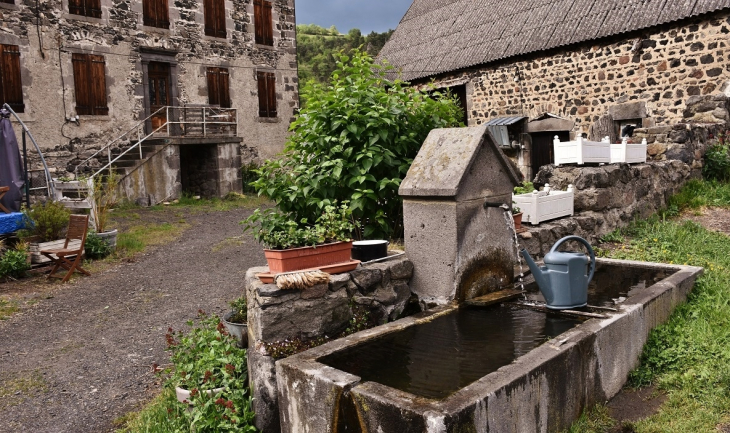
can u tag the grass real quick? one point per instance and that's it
(155, 417)
(15, 389)
(688, 357)
(8, 307)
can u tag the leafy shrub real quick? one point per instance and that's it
(240, 311)
(248, 175)
(14, 262)
(280, 231)
(717, 160)
(354, 141)
(96, 247)
(48, 221)
(524, 188)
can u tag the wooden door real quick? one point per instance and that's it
(159, 87)
(542, 148)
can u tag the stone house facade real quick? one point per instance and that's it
(82, 72)
(572, 68)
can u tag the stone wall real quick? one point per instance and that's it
(120, 36)
(322, 310)
(661, 67)
(606, 198)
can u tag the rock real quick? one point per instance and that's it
(366, 278)
(526, 235)
(401, 269)
(314, 292)
(339, 281)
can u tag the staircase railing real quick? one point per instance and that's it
(138, 129)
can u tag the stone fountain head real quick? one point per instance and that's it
(459, 247)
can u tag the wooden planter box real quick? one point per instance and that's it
(539, 206)
(34, 248)
(581, 151)
(631, 153)
(295, 259)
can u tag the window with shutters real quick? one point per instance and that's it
(218, 87)
(215, 18)
(155, 13)
(87, 8)
(263, 23)
(11, 2)
(267, 94)
(11, 89)
(90, 84)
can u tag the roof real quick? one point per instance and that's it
(504, 120)
(437, 36)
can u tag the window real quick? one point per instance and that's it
(11, 89)
(90, 84)
(11, 2)
(87, 8)
(267, 94)
(262, 22)
(218, 87)
(626, 127)
(215, 18)
(155, 13)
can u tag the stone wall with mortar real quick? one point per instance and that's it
(606, 198)
(48, 35)
(325, 309)
(661, 67)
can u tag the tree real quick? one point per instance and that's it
(354, 142)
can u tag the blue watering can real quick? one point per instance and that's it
(564, 279)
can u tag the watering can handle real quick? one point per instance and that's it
(587, 245)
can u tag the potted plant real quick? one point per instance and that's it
(291, 245)
(103, 197)
(207, 359)
(45, 225)
(236, 321)
(516, 217)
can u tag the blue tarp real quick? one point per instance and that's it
(11, 222)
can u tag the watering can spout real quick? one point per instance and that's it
(537, 272)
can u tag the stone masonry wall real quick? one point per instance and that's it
(606, 198)
(662, 67)
(325, 309)
(120, 36)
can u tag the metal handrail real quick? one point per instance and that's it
(138, 144)
(49, 181)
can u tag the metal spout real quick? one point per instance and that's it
(502, 206)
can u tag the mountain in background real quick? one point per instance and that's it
(316, 46)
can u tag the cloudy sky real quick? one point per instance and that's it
(366, 15)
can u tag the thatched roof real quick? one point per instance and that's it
(437, 36)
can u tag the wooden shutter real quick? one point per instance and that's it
(88, 8)
(155, 13)
(89, 84)
(11, 88)
(213, 96)
(218, 93)
(8, 1)
(268, 25)
(76, 7)
(267, 94)
(214, 12)
(258, 19)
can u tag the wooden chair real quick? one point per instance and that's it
(77, 228)
(3, 191)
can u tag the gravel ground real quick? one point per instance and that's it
(82, 356)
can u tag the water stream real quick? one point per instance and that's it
(511, 226)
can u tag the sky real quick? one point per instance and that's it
(366, 15)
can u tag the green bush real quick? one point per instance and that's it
(14, 262)
(96, 247)
(248, 175)
(717, 160)
(354, 141)
(47, 220)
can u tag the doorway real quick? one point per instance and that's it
(542, 148)
(159, 91)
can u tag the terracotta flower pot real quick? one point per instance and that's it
(295, 259)
(518, 220)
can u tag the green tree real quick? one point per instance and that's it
(354, 141)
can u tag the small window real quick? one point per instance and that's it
(11, 89)
(262, 22)
(267, 94)
(215, 18)
(10, 2)
(156, 14)
(218, 87)
(90, 84)
(87, 8)
(626, 127)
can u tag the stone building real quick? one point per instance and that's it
(534, 70)
(81, 73)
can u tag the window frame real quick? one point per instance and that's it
(263, 22)
(156, 13)
(266, 94)
(218, 81)
(85, 8)
(90, 93)
(11, 80)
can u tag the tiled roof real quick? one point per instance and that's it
(438, 36)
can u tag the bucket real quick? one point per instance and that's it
(369, 250)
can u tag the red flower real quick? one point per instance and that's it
(230, 368)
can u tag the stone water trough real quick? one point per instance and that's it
(466, 365)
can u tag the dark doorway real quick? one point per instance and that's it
(460, 93)
(159, 87)
(542, 147)
(199, 170)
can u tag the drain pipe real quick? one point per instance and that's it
(502, 206)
